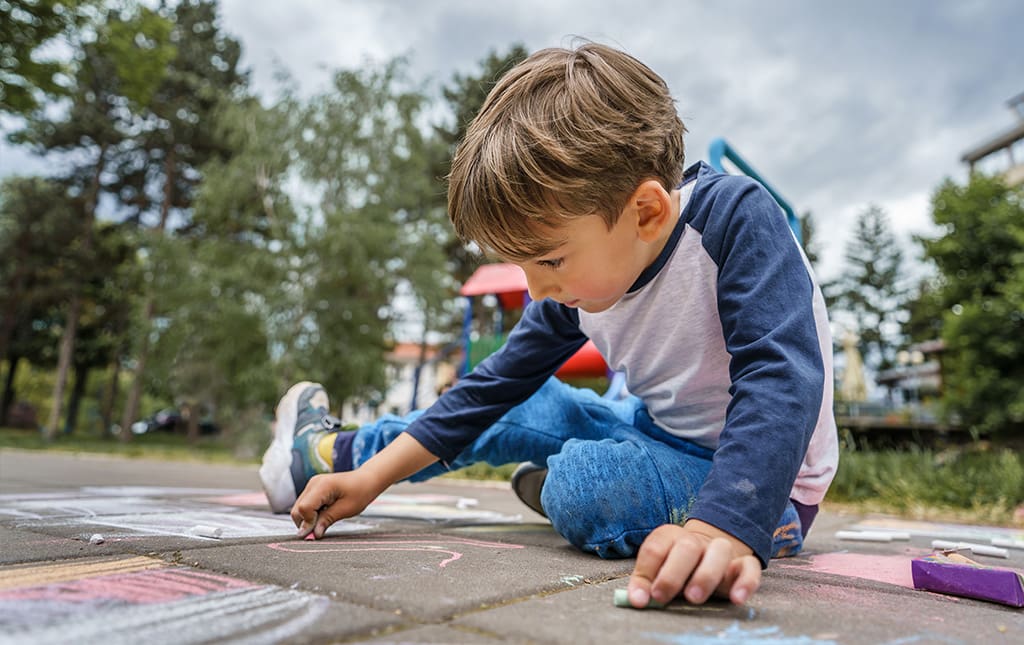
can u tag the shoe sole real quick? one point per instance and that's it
(275, 472)
(527, 483)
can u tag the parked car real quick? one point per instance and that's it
(170, 420)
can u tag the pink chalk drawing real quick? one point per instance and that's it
(890, 569)
(76, 602)
(138, 587)
(436, 544)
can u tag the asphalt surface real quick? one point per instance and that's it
(109, 550)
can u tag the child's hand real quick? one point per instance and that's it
(703, 558)
(328, 498)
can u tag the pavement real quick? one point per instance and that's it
(109, 550)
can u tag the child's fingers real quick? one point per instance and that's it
(677, 568)
(306, 526)
(316, 495)
(744, 579)
(709, 572)
(649, 559)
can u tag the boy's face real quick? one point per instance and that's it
(593, 267)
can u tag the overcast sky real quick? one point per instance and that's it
(839, 104)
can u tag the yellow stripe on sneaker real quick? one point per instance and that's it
(325, 448)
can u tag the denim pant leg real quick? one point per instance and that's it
(531, 431)
(606, 496)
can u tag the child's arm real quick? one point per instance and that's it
(328, 498)
(698, 556)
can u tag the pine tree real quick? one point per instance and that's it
(871, 292)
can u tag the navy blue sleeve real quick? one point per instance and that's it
(546, 336)
(765, 301)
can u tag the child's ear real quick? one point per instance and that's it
(653, 207)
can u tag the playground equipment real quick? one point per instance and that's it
(507, 283)
(720, 149)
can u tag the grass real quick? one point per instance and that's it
(979, 482)
(165, 446)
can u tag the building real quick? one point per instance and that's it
(405, 374)
(1003, 154)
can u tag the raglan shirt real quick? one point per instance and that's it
(724, 337)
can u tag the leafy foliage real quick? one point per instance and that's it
(27, 75)
(979, 294)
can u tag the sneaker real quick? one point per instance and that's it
(301, 419)
(527, 482)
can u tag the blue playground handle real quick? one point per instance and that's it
(720, 149)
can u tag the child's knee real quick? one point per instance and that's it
(602, 497)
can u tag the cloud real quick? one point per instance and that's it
(840, 105)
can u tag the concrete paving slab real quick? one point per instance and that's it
(435, 634)
(29, 546)
(429, 575)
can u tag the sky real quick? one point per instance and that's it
(840, 105)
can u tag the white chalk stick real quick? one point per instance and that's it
(977, 549)
(96, 539)
(207, 531)
(872, 536)
(1008, 543)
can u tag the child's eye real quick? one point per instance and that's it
(553, 263)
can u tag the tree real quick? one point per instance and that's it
(115, 72)
(465, 96)
(178, 139)
(871, 291)
(38, 227)
(980, 294)
(26, 27)
(373, 227)
(225, 280)
(808, 233)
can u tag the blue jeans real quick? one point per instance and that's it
(613, 475)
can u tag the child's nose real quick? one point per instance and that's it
(539, 286)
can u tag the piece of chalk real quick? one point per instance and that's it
(872, 536)
(622, 600)
(207, 531)
(96, 539)
(1008, 543)
(978, 549)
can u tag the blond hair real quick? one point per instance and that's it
(566, 133)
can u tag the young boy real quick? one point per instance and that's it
(690, 283)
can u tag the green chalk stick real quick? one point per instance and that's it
(622, 600)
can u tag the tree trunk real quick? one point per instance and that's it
(131, 408)
(77, 392)
(8, 395)
(67, 342)
(67, 350)
(16, 291)
(107, 410)
(191, 414)
(131, 404)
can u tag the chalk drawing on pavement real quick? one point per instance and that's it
(890, 569)
(734, 633)
(436, 508)
(139, 599)
(125, 512)
(960, 532)
(453, 546)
